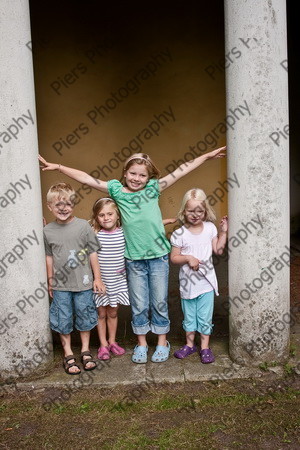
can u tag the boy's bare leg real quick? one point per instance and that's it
(66, 345)
(101, 326)
(112, 323)
(85, 346)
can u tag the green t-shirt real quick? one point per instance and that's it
(141, 220)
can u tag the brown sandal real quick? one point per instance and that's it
(85, 361)
(67, 365)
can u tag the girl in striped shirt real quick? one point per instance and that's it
(106, 223)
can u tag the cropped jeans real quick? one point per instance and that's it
(148, 294)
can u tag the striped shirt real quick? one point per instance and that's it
(112, 266)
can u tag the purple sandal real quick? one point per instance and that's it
(185, 351)
(206, 356)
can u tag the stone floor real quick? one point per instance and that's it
(121, 371)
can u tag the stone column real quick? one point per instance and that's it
(258, 154)
(26, 343)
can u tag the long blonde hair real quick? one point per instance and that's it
(197, 194)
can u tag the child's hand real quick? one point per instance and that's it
(169, 221)
(193, 262)
(216, 153)
(224, 224)
(50, 291)
(99, 286)
(46, 165)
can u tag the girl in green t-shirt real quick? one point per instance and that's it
(147, 247)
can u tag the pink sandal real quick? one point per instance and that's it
(103, 353)
(116, 349)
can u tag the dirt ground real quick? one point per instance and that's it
(258, 413)
(248, 414)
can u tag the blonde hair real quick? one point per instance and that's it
(98, 206)
(197, 194)
(141, 159)
(61, 191)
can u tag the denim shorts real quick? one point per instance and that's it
(148, 294)
(198, 313)
(67, 306)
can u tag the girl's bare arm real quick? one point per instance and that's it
(177, 258)
(187, 167)
(219, 242)
(98, 284)
(77, 175)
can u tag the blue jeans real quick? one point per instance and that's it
(67, 304)
(148, 294)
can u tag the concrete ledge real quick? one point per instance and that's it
(120, 371)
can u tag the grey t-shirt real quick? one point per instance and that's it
(70, 246)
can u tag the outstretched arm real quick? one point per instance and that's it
(77, 175)
(187, 167)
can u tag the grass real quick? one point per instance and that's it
(233, 414)
(265, 365)
(293, 349)
(288, 369)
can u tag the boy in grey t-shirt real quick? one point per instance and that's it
(73, 273)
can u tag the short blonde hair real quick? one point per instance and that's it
(61, 191)
(197, 194)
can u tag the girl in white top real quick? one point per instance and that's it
(192, 247)
(106, 223)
